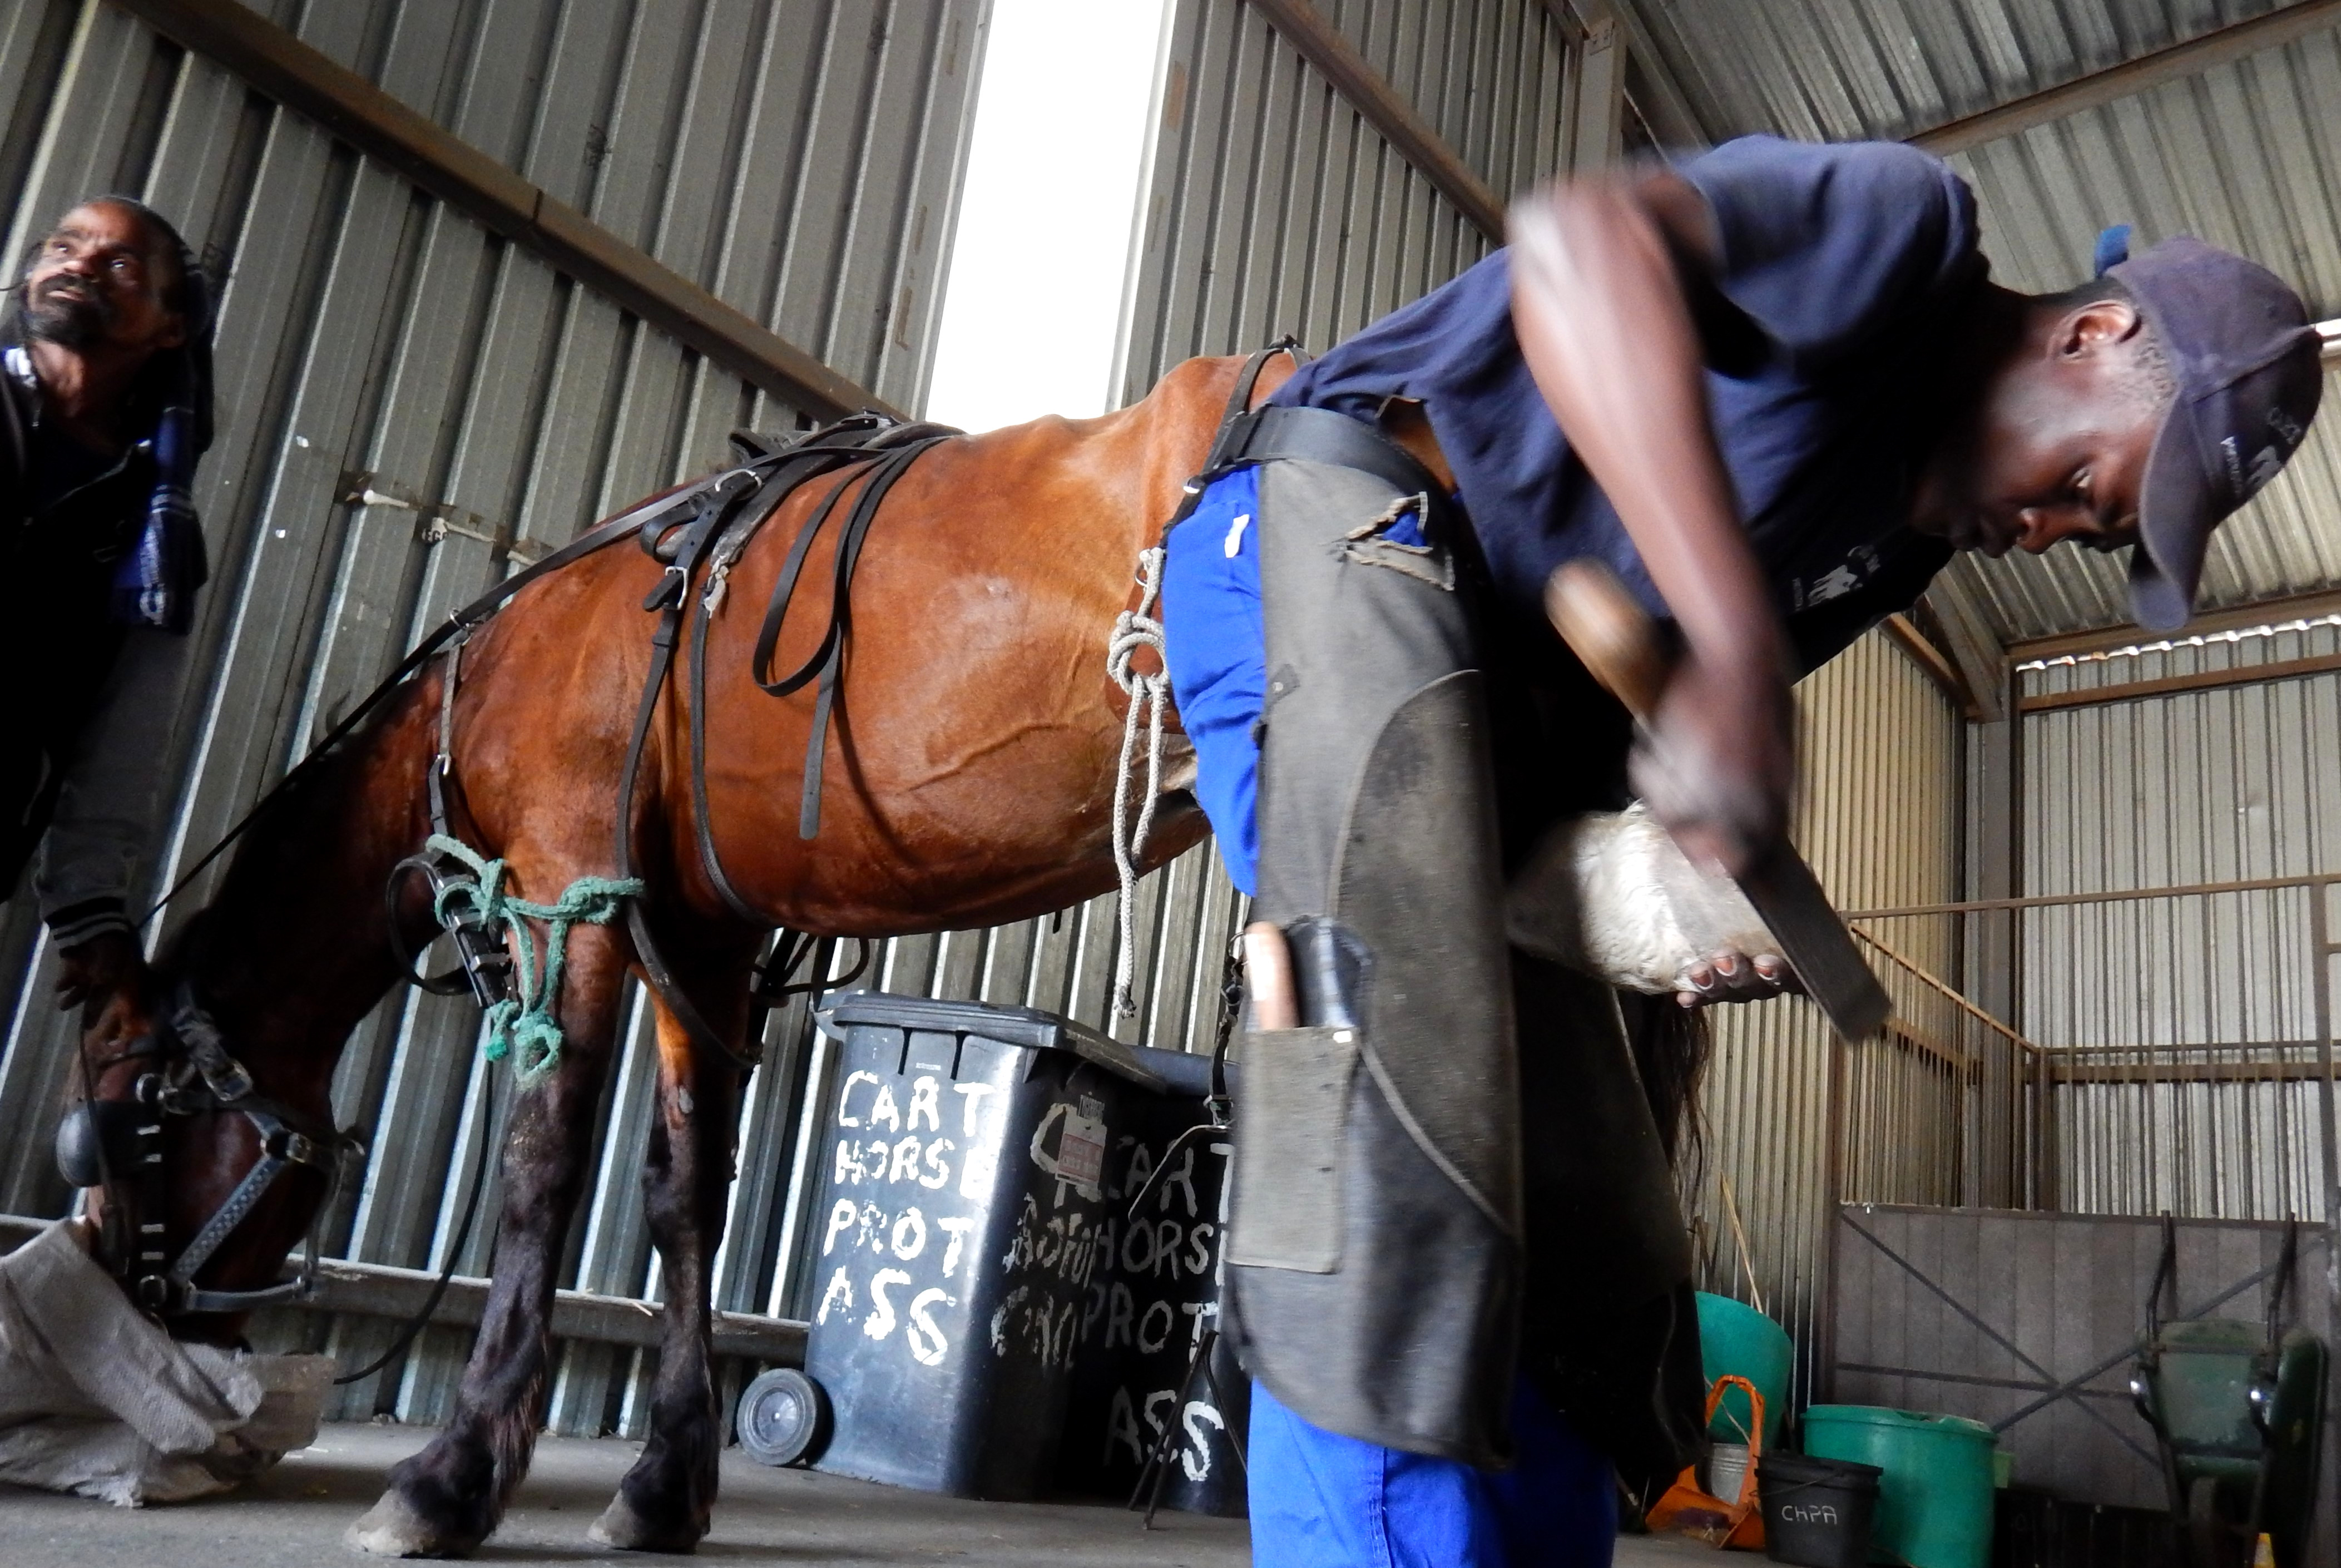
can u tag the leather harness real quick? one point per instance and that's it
(703, 528)
(118, 1144)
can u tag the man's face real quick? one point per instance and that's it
(2057, 449)
(96, 283)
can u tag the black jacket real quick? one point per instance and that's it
(63, 652)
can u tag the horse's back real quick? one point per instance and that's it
(970, 760)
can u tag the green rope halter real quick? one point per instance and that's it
(526, 1025)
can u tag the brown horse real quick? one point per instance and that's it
(969, 779)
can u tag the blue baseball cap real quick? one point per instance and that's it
(2245, 355)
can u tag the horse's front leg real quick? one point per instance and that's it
(447, 1499)
(665, 1501)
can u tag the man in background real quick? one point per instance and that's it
(104, 409)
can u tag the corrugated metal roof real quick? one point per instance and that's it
(1840, 70)
(2246, 154)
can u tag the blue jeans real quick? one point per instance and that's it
(1214, 651)
(1320, 1500)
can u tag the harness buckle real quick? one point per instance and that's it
(481, 956)
(486, 962)
(228, 1080)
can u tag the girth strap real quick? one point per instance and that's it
(671, 598)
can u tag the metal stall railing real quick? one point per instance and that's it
(2176, 1055)
(2176, 1058)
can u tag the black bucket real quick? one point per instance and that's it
(1816, 1512)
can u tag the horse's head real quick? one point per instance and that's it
(204, 1173)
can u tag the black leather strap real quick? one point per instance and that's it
(623, 525)
(671, 598)
(1321, 435)
(1239, 405)
(827, 660)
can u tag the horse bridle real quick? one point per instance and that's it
(117, 1144)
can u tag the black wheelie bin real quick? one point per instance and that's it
(958, 1225)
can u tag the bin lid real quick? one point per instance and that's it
(1009, 1025)
(1186, 1073)
(1910, 1420)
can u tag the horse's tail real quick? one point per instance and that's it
(1670, 1046)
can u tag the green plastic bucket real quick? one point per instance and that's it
(1736, 1339)
(1935, 1502)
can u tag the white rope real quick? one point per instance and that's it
(1134, 630)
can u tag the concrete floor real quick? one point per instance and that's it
(294, 1518)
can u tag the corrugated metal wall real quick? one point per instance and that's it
(2193, 1083)
(1879, 818)
(1275, 207)
(798, 158)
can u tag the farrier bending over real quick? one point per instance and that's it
(104, 408)
(1774, 389)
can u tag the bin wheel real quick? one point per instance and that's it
(784, 1418)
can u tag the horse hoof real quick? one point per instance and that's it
(392, 1528)
(621, 1527)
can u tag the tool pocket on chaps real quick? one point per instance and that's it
(1398, 539)
(1288, 1140)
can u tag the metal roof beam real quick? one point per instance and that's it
(2270, 30)
(2209, 624)
(1665, 109)
(353, 109)
(1318, 41)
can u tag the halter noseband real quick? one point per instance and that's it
(118, 1145)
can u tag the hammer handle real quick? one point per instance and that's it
(1268, 975)
(1609, 632)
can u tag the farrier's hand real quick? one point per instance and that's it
(1717, 761)
(1731, 975)
(102, 975)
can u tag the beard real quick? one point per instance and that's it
(58, 311)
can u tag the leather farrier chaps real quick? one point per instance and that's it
(1376, 1249)
(1396, 1252)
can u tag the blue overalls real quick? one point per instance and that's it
(1318, 1499)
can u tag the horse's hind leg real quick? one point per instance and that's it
(447, 1499)
(665, 1501)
